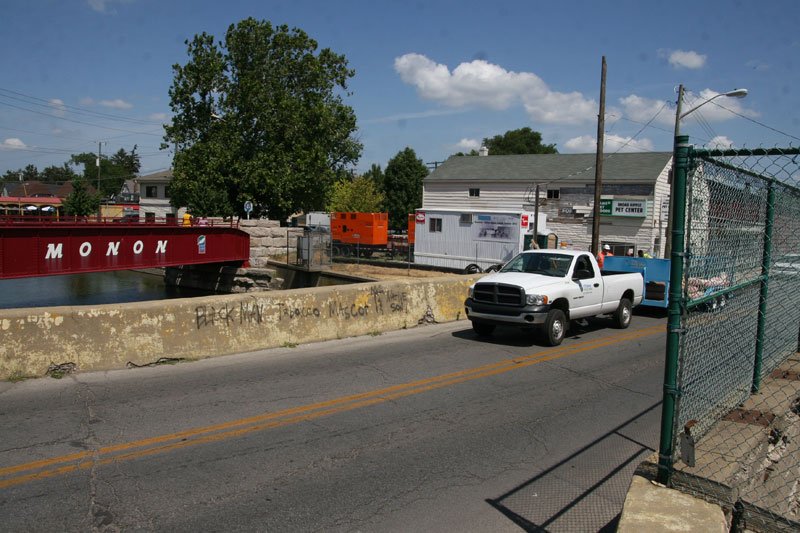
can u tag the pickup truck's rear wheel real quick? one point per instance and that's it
(623, 314)
(555, 327)
(482, 330)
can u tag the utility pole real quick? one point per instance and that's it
(536, 217)
(99, 157)
(598, 167)
(668, 234)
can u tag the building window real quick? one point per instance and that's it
(436, 225)
(465, 218)
(475, 192)
(149, 216)
(151, 191)
(553, 194)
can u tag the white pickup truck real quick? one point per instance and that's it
(545, 289)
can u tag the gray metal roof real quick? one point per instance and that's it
(165, 175)
(617, 168)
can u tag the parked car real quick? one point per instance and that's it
(545, 289)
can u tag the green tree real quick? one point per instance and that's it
(521, 141)
(30, 173)
(81, 202)
(11, 175)
(55, 174)
(114, 170)
(358, 194)
(376, 175)
(259, 117)
(403, 187)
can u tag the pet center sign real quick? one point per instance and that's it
(618, 207)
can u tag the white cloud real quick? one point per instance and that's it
(684, 59)
(12, 143)
(157, 116)
(59, 109)
(482, 84)
(757, 65)
(410, 116)
(465, 145)
(97, 5)
(116, 104)
(87, 102)
(104, 6)
(643, 110)
(611, 143)
(720, 142)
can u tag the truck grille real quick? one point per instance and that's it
(497, 293)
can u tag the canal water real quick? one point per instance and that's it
(88, 289)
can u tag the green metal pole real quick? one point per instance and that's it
(676, 305)
(762, 306)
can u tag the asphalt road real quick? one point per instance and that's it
(427, 429)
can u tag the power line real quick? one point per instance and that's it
(79, 121)
(72, 109)
(756, 122)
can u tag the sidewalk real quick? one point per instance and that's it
(751, 459)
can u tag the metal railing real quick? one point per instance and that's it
(39, 220)
(730, 421)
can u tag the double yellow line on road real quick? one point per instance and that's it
(47, 468)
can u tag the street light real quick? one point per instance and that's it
(736, 93)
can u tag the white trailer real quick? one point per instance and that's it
(472, 240)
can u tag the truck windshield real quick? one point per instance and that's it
(555, 265)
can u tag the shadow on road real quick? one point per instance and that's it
(520, 337)
(590, 485)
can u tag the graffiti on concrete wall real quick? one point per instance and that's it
(379, 301)
(228, 315)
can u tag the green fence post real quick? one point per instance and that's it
(762, 304)
(680, 167)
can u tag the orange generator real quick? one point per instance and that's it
(366, 231)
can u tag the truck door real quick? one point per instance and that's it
(587, 290)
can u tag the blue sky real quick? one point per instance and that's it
(436, 76)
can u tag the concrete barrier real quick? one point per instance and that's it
(106, 337)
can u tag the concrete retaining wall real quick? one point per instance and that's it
(107, 337)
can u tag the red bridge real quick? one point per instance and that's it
(46, 246)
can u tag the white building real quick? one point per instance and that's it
(154, 196)
(634, 200)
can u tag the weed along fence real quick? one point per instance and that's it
(106, 337)
(730, 427)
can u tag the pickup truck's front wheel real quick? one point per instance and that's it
(482, 330)
(555, 327)
(622, 316)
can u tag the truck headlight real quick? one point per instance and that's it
(471, 291)
(535, 299)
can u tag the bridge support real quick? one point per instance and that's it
(222, 278)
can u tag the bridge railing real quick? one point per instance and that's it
(40, 220)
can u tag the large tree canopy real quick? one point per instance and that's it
(521, 141)
(258, 117)
(402, 184)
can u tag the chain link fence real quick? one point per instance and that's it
(731, 426)
(313, 249)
